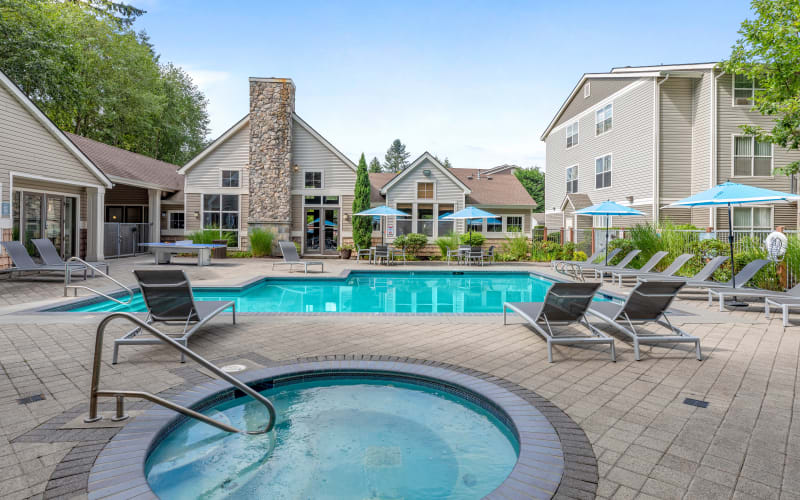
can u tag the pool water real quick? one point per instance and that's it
(343, 438)
(372, 292)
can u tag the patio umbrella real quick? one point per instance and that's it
(730, 193)
(608, 208)
(470, 213)
(383, 211)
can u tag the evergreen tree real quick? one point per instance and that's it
(375, 166)
(396, 158)
(446, 163)
(362, 225)
(533, 181)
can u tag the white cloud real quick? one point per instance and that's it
(204, 78)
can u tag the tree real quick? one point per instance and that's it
(396, 158)
(446, 163)
(121, 13)
(362, 225)
(375, 166)
(95, 77)
(533, 181)
(768, 52)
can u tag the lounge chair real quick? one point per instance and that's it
(705, 273)
(647, 303)
(646, 268)
(589, 265)
(622, 264)
(290, 258)
(169, 299)
(670, 271)
(793, 294)
(564, 303)
(784, 303)
(50, 257)
(742, 277)
(591, 260)
(24, 263)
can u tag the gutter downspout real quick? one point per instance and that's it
(656, 143)
(712, 181)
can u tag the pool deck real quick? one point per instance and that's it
(648, 443)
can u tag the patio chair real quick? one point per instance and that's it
(782, 302)
(363, 251)
(169, 299)
(792, 294)
(382, 252)
(395, 252)
(24, 263)
(457, 254)
(564, 304)
(602, 270)
(702, 275)
(673, 268)
(475, 254)
(647, 267)
(489, 255)
(290, 258)
(647, 303)
(49, 254)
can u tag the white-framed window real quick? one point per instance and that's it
(513, 223)
(494, 225)
(599, 221)
(752, 218)
(587, 90)
(572, 134)
(603, 119)
(744, 90)
(230, 178)
(312, 179)
(425, 191)
(602, 172)
(221, 212)
(572, 179)
(751, 158)
(176, 220)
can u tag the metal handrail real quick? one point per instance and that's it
(120, 395)
(67, 285)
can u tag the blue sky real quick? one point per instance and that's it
(473, 81)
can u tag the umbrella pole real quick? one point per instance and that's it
(735, 302)
(606, 239)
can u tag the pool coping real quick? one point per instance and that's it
(551, 444)
(63, 307)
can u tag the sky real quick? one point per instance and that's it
(476, 82)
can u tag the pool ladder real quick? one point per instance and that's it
(121, 395)
(68, 286)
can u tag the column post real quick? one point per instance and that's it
(154, 208)
(95, 218)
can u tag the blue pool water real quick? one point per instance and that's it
(373, 292)
(339, 439)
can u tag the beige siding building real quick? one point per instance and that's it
(649, 136)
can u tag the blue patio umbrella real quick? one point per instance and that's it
(730, 193)
(470, 213)
(608, 208)
(383, 211)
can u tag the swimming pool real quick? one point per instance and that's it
(368, 292)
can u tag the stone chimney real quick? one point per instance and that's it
(271, 108)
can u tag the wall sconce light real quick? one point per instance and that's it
(197, 215)
(347, 217)
(630, 200)
(296, 167)
(163, 214)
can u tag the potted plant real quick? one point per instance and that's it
(345, 251)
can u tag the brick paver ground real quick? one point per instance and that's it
(649, 444)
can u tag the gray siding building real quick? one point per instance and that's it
(648, 136)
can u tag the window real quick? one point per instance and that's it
(587, 90)
(313, 180)
(376, 223)
(230, 178)
(572, 135)
(744, 90)
(602, 172)
(494, 225)
(603, 118)
(572, 179)
(446, 226)
(221, 212)
(752, 218)
(176, 220)
(600, 221)
(425, 220)
(425, 190)
(751, 157)
(514, 224)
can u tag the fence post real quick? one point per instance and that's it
(544, 233)
(783, 276)
(561, 236)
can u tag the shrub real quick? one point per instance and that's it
(473, 239)
(261, 242)
(205, 236)
(411, 242)
(447, 242)
(514, 248)
(621, 243)
(567, 251)
(545, 251)
(580, 255)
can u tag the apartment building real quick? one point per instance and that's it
(648, 136)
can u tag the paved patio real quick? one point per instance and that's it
(648, 443)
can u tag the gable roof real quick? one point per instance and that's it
(577, 200)
(245, 122)
(125, 167)
(501, 169)
(425, 156)
(51, 127)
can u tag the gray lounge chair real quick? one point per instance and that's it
(673, 268)
(793, 293)
(600, 271)
(587, 265)
(591, 260)
(565, 303)
(24, 263)
(702, 275)
(290, 258)
(169, 299)
(784, 303)
(647, 267)
(647, 303)
(49, 254)
(742, 277)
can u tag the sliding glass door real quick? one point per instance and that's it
(50, 216)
